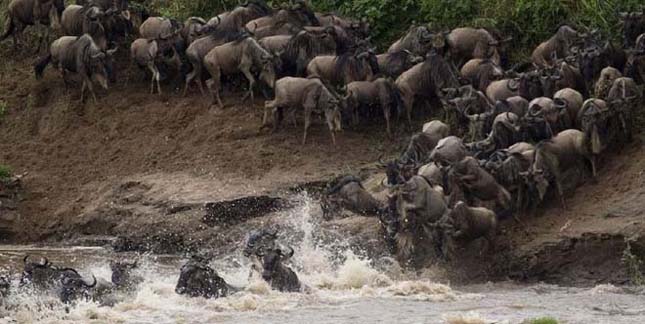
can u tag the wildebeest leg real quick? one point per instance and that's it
(214, 85)
(91, 88)
(83, 90)
(386, 115)
(153, 70)
(308, 111)
(558, 184)
(408, 101)
(193, 75)
(267, 106)
(278, 112)
(249, 77)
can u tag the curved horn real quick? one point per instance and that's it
(92, 285)
(24, 260)
(514, 87)
(561, 103)
(288, 255)
(44, 261)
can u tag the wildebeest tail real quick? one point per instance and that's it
(41, 64)
(396, 100)
(185, 68)
(8, 28)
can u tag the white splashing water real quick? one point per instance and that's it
(332, 273)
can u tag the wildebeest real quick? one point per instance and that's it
(502, 89)
(517, 105)
(481, 73)
(41, 274)
(467, 43)
(381, 92)
(82, 56)
(283, 20)
(424, 80)
(198, 49)
(635, 66)
(149, 53)
(418, 206)
(5, 286)
(554, 156)
(568, 103)
(306, 45)
(605, 81)
(345, 68)
(156, 27)
(73, 286)
(23, 13)
(279, 276)
(633, 26)
(78, 20)
(240, 55)
(292, 94)
(393, 64)
(466, 224)
(422, 144)
(277, 45)
(416, 41)
(198, 279)
(595, 57)
(623, 98)
(470, 181)
(556, 47)
(123, 276)
(449, 150)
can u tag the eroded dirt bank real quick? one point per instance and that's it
(154, 173)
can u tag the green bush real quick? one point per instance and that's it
(5, 172)
(542, 320)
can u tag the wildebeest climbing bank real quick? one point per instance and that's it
(247, 140)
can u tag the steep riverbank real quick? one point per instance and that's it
(154, 173)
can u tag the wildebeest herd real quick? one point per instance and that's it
(508, 136)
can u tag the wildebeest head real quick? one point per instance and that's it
(259, 242)
(332, 106)
(272, 260)
(536, 183)
(40, 273)
(267, 73)
(122, 273)
(530, 85)
(73, 286)
(590, 62)
(5, 285)
(568, 35)
(198, 279)
(633, 25)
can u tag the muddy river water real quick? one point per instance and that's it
(342, 287)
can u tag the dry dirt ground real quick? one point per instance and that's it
(142, 166)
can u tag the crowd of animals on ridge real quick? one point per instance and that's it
(508, 135)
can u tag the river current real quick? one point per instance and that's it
(342, 286)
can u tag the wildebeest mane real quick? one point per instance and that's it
(348, 66)
(437, 74)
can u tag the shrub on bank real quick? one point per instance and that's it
(5, 172)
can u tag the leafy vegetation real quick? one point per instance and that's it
(5, 172)
(633, 265)
(542, 320)
(3, 108)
